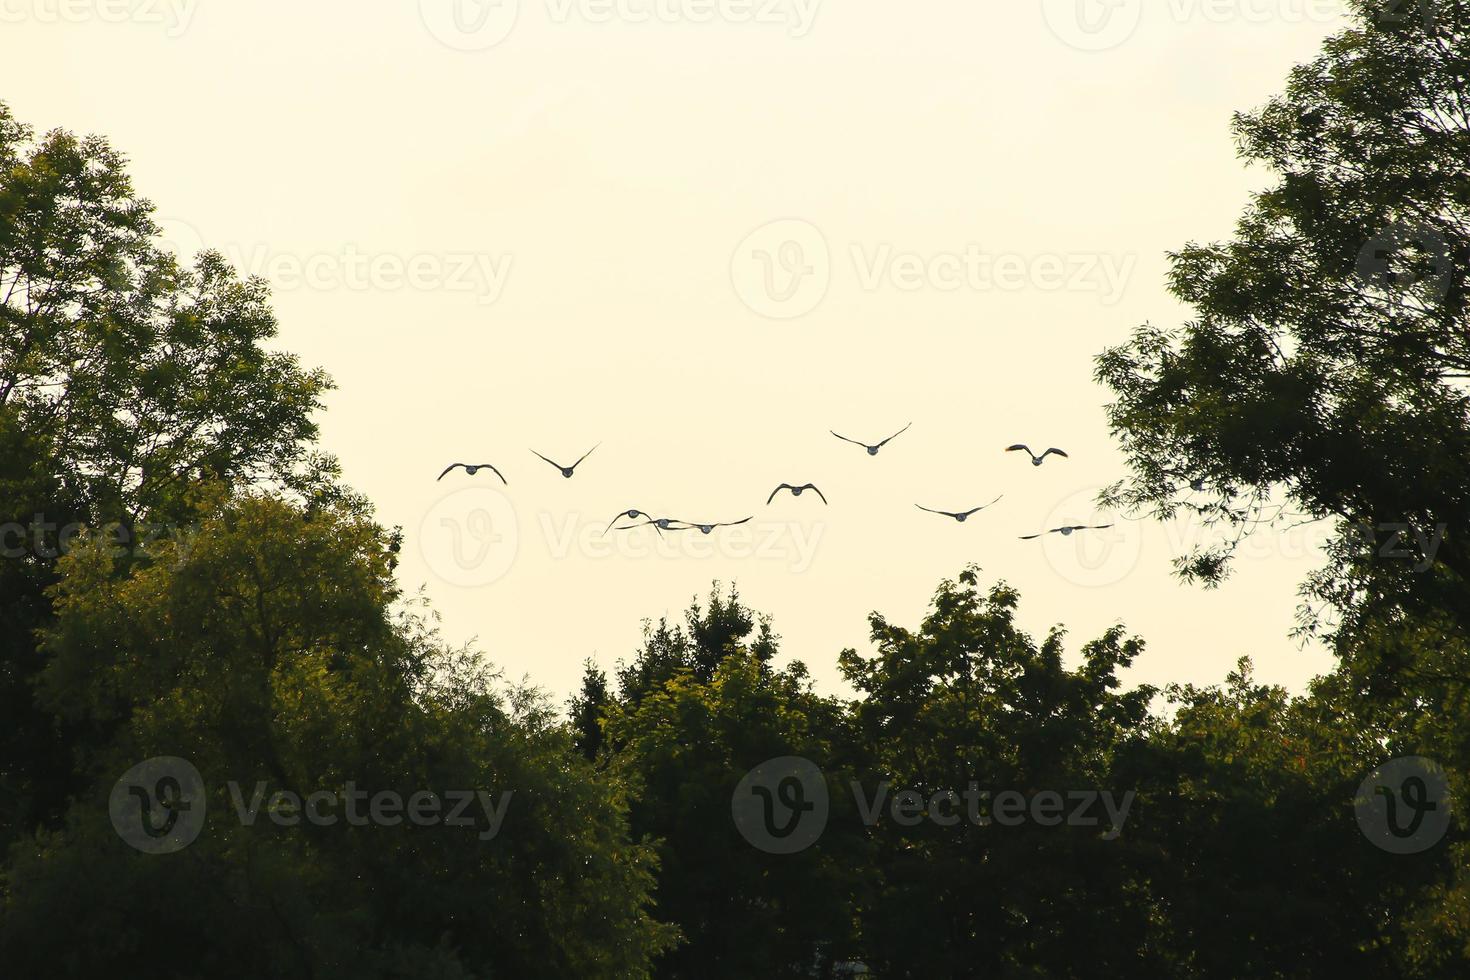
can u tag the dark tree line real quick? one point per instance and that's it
(228, 601)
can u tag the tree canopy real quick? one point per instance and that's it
(185, 578)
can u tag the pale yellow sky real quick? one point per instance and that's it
(703, 233)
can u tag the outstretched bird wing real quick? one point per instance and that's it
(1056, 451)
(551, 461)
(487, 466)
(784, 486)
(660, 530)
(1019, 447)
(933, 511)
(584, 456)
(1032, 537)
(813, 488)
(621, 514)
(447, 469)
(895, 435)
(853, 441)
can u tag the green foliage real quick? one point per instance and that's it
(254, 634)
(1326, 372)
(968, 699)
(1329, 355)
(264, 638)
(681, 744)
(266, 651)
(126, 382)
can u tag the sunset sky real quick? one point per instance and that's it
(703, 233)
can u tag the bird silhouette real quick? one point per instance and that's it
(472, 469)
(957, 516)
(796, 491)
(873, 450)
(631, 515)
(1064, 531)
(567, 471)
(660, 524)
(1035, 459)
(707, 528)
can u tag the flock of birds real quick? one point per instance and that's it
(662, 524)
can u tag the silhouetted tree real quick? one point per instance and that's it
(587, 709)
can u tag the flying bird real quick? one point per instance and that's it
(957, 516)
(1066, 530)
(1035, 459)
(796, 491)
(631, 515)
(873, 450)
(660, 524)
(567, 471)
(472, 470)
(707, 528)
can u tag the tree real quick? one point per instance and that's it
(970, 703)
(125, 382)
(1329, 357)
(587, 709)
(183, 575)
(1326, 374)
(268, 654)
(699, 707)
(1245, 825)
